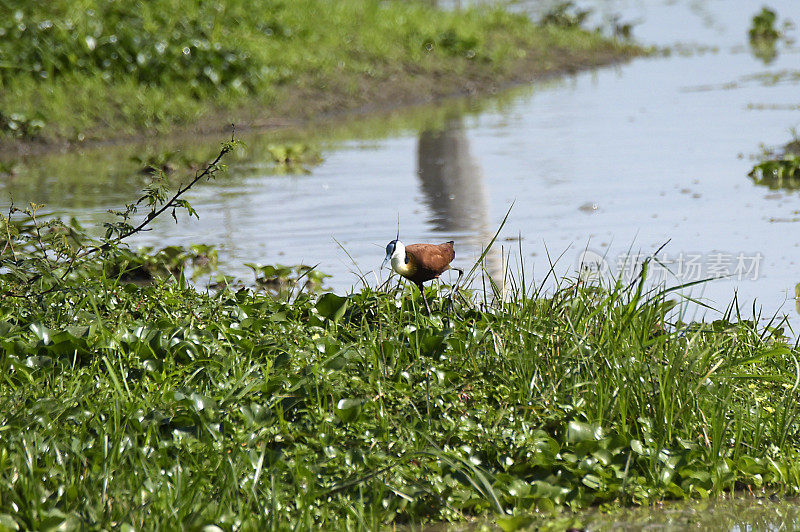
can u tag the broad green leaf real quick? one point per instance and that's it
(592, 481)
(637, 447)
(331, 306)
(577, 431)
(41, 332)
(517, 522)
(201, 402)
(348, 409)
(8, 523)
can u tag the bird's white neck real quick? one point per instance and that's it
(399, 259)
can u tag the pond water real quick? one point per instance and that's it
(614, 162)
(739, 514)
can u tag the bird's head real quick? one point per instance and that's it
(394, 249)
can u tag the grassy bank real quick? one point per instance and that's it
(128, 401)
(99, 69)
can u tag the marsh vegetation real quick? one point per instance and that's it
(158, 387)
(107, 70)
(123, 400)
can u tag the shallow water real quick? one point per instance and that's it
(741, 513)
(738, 514)
(616, 161)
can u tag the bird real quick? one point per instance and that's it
(420, 263)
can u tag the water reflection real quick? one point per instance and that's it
(765, 50)
(454, 190)
(739, 513)
(797, 297)
(451, 180)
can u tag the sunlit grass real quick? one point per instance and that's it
(107, 68)
(122, 404)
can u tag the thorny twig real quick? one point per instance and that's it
(8, 233)
(209, 170)
(172, 203)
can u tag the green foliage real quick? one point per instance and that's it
(165, 162)
(47, 255)
(763, 35)
(278, 279)
(132, 405)
(779, 173)
(763, 26)
(295, 158)
(241, 410)
(19, 125)
(454, 43)
(154, 44)
(565, 15)
(129, 66)
(145, 265)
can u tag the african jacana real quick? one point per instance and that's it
(421, 262)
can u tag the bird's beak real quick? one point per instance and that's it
(385, 261)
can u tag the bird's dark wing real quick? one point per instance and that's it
(429, 260)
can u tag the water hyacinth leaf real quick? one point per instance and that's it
(348, 409)
(201, 402)
(577, 431)
(431, 344)
(698, 474)
(666, 475)
(517, 487)
(545, 490)
(8, 523)
(54, 519)
(277, 317)
(281, 360)
(637, 447)
(592, 481)
(258, 413)
(340, 360)
(36, 361)
(41, 332)
(331, 306)
(77, 331)
(152, 366)
(517, 522)
(603, 456)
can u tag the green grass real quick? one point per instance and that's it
(778, 173)
(130, 399)
(126, 405)
(98, 68)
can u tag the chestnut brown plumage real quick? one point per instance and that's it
(420, 263)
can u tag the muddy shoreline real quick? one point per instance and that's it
(304, 108)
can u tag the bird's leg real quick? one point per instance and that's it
(424, 299)
(454, 288)
(460, 275)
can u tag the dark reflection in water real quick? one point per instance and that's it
(454, 190)
(451, 180)
(765, 50)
